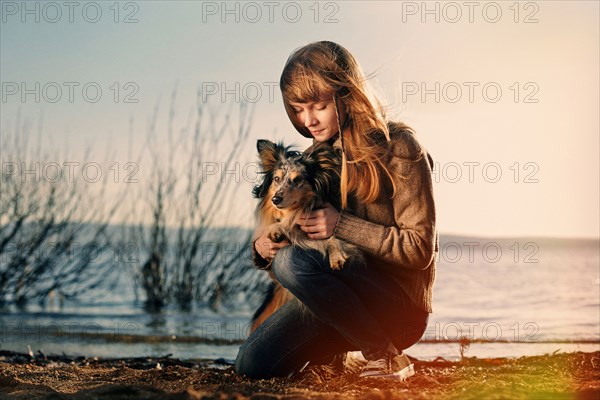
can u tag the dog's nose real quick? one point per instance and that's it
(276, 199)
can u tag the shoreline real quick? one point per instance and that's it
(560, 376)
(196, 350)
(112, 337)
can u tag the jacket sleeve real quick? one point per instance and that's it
(410, 240)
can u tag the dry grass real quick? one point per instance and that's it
(560, 376)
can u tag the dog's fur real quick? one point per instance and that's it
(295, 183)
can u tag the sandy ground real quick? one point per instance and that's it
(559, 376)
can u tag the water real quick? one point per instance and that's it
(511, 297)
(549, 291)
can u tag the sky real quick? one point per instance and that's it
(504, 95)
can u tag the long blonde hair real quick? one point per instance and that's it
(324, 70)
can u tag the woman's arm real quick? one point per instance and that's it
(411, 240)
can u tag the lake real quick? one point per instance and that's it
(510, 297)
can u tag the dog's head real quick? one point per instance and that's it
(293, 180)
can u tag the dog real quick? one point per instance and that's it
(295, 183)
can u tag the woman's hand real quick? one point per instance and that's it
(320, 223)
(267, 248)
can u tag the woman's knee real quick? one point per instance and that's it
(409, 333)
(259, 363)
(291, 264)
(248, 363)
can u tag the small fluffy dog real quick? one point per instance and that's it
(295, 183)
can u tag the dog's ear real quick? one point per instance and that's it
(263, 144)
(324, 157)
(323, 164)
(270, 153)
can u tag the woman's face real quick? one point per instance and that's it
(319, 117)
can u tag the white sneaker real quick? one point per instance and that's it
(398, 368)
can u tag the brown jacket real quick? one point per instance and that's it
(398, 235)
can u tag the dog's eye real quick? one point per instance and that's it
(297, 180)
(276, 179)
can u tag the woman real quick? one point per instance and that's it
(387, 211)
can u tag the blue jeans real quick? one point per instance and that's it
(355, 308)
